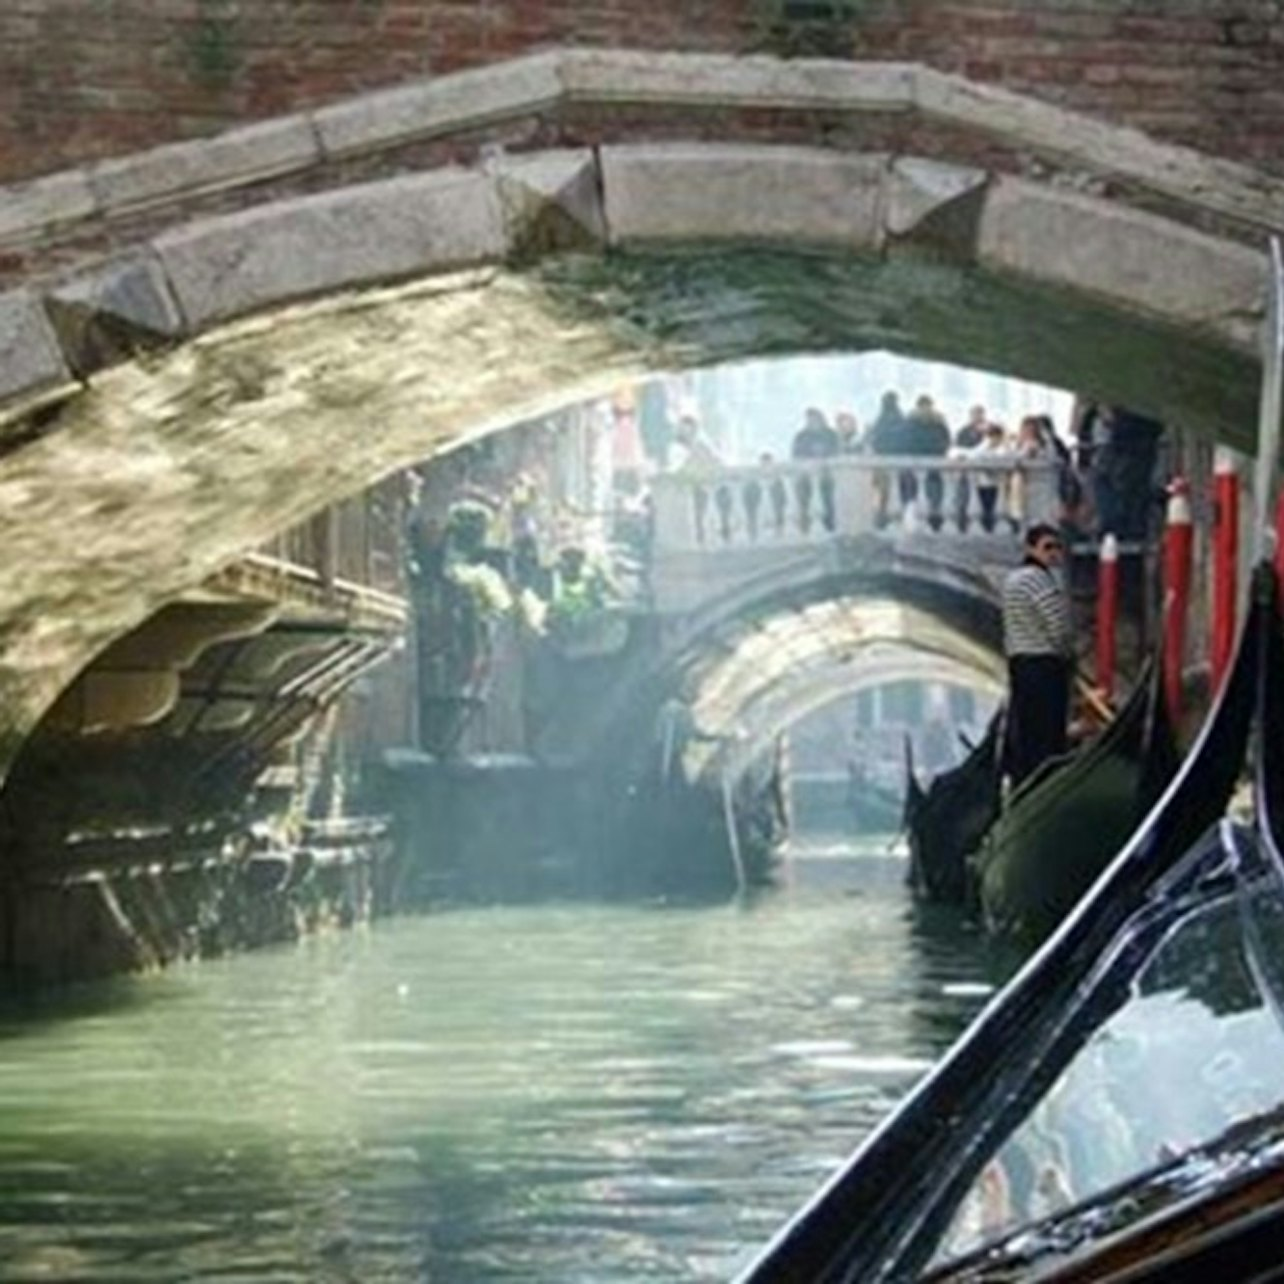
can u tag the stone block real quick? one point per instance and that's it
(357, 236)
(30, 359)
(1135, 261)
(444, 105)
(708, 193)
(992, 110)
(254, 152)
(28, 210)
(1101, 147)
(934, 206)
(108, 315)
(722, 80)
(552, 201)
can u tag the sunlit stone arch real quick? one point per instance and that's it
(722, 661)
(772, 710)
(534, 281)
(747, 677)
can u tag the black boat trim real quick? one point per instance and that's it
(873, 1220)
(943, 805)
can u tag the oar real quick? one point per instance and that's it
(1094, 699)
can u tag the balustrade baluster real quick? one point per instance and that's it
(700, 503)
(778, 493)
(1012, 499)
(854, 500)
(900, 484)
(805, 499)
(913, 501)
(723, 502)
(826, 496)
(961, 490)
(1021, 496)
(803, 502)
(975, 500)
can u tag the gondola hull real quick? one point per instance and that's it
(945, 823)
(1065, 824)
(890, 1214)
(884, 1217)
(1039, 858)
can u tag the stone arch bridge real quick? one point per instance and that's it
(206, 342)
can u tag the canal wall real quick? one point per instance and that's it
(142, 916)
(503, 829)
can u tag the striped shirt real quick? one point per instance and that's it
(1036, 614)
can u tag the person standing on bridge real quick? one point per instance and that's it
(1039, 644)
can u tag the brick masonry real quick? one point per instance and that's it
(88, 79)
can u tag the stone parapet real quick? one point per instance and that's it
(141, 72)
(539, 85)
(221, 268)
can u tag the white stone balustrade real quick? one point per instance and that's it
(807, 502)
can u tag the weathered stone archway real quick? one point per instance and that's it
(791, 664)
(541, 277)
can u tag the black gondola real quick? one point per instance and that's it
(945, 822)
(1189, 891)
(1063, 825)
(885, 1216)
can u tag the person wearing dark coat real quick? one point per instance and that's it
(815, 439)
(886, 436)
(887, 433)
(972, 433)
(1123, 470)
(927, 434)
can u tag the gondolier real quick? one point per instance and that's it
(1039, 646)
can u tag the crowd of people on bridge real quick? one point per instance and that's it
(1105, 471)
(1105, 459)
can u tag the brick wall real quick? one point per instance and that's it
(81, 79)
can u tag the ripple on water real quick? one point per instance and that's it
(568, 1093)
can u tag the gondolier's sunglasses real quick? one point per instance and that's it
(1048, 545)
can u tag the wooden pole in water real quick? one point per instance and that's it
(1225, 563)
(733, 834)
(1107, 614)
(1178, 540)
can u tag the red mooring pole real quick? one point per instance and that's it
(1225, 562)
(1107, 614)
(1178, 537)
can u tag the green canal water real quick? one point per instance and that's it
(553, 1093)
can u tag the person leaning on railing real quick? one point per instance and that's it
(886, 436)
(926, 435)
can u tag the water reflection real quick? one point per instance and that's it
(564, 1092)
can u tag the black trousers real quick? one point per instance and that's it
(1038, 709)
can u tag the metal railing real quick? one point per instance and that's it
(811, 501)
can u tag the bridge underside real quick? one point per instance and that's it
(149, 433)
(163, 469)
